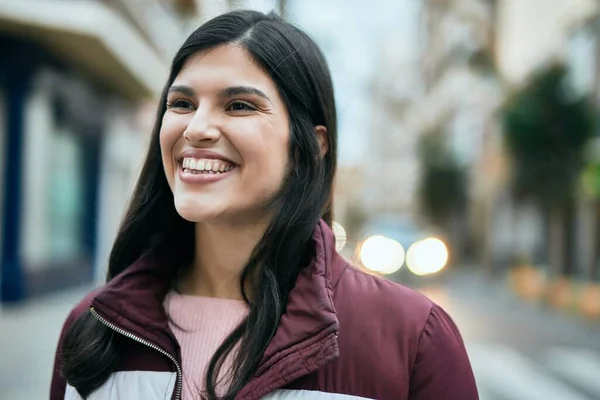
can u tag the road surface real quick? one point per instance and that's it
(521, 351)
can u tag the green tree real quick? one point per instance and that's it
(590, 184)
(442, 186)
(546, 128)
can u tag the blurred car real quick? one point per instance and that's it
(390, 242)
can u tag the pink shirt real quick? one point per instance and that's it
(200, 325)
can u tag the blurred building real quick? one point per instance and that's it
(461, 90)
(477, 52)
(582, 52)
(470, 54)
(348, 197)
(391, 170)
(78, 85)
(529, 35)
(444, 85)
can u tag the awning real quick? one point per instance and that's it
(91, 36)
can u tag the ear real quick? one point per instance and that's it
(321, 132)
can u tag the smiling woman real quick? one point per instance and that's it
(223, 111)
(224, 280)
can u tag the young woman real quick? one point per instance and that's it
(224, 281)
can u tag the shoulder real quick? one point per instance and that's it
(77, 311)
(405, 317)
(374, 297)
(58, 384)
(84, 305)
(383, 320)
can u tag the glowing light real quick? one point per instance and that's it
(427, 257)
(340, 235)
(381, 254)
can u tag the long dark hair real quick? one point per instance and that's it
(152, 224)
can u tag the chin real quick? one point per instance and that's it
(193, 210)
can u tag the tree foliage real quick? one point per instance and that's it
(442, 189)
(546, 128)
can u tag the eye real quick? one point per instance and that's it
(239, 105)
(180, 104)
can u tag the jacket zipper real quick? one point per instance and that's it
(147, 343)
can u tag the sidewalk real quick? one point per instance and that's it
(28, 338)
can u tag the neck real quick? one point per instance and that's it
(222, 251)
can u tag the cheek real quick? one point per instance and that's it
(170, 132)
(265, 157)
(274, 164)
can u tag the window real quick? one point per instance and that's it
(53, 186)
(64, 197)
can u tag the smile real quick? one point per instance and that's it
(203, 170)
(205, 166)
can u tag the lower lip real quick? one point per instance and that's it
(189, 177)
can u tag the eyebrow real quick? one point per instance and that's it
(237, 90)
(228, 92)
(183, 89)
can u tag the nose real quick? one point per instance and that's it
(202, 128)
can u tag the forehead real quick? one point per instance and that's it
(226, 65)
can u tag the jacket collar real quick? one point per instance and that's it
(306, 337)
(133, 301)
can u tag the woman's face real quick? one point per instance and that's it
(224, 137)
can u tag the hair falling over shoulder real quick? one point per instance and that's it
(152, 227)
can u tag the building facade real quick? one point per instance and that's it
(78, 89)
(516, 39)
(529, 35)
(471, 54)
(392, 168)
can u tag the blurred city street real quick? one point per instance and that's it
(519, 351)
(468, 165)
(29, 334)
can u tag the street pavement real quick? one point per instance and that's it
(519, 351)
(28, 338)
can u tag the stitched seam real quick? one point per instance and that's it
(298, 347)
(346, 266)
(412, 364)
(275, 383)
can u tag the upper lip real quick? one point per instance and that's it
(203, 153)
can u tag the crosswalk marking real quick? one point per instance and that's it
(503, 371)
(579, 366)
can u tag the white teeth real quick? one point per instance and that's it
(210, 166)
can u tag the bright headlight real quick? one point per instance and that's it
(381, 254)
(427, 256)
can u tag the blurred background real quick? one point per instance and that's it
(469, 165)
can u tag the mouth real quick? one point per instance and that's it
(205, 167)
